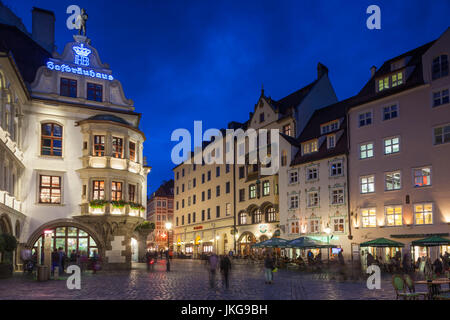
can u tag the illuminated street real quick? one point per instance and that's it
(189, 280)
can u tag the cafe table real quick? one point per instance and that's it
(433, 286)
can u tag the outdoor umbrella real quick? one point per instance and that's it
(307, 243)
(382, 243)
(273, 243)
(432, 241)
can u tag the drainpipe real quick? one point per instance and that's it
(350, 237)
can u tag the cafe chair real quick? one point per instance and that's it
(400, 288)
(412, 288)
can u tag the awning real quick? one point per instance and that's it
(307, 243)
(382, 243)
(272, 243)
(432, 241)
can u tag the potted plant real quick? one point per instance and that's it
(97, 204)
(8, 244)
(118, 204)
(135, 206)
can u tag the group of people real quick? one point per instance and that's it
(60, 260)
(151, 258)
(223, 263)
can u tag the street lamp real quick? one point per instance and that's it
(328, 231)
(168, 227)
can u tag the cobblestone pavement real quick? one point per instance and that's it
(188, 280)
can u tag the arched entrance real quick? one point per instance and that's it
(263, 238)
(245, 241)
(5, 224)
(69, 236)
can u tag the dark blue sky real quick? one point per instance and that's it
(182, 61)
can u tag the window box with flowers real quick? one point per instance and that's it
(97, 206)
(136, 209)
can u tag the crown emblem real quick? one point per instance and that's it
(82, 51)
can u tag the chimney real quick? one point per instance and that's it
(321, 70)
(43, 28)
(373, 69)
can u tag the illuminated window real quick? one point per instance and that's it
(369, 218)
(116, 191)
(94, 92)
(440, 98)
(440, 67)
(367, 184)
(228, 209)
(98, 190)
(338, 224)
(266, 188)
(310, 147)
(132, 147)
(49, 189)
(287, 129)
(383, 84)
(366, 150)
(293, 202)
(423, 213)
(397, 79)
(313, 199)
(242, 218)
(51, 139)
(252, 191)
(271, 215)
(392, 181)
(390, 112)
(365, 119)
(283, 158)
(117, 147)
(391, 145)
(393, 216)
(295, 227)
(257, 216)
(314, 226)
(132, 193)
(68, 88)
(422, 177)
(99, 146)
(442, 134)
(337, 196)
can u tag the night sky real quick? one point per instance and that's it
(182, 61)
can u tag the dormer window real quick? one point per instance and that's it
(310, 147)
(329, 127)
(390, 81)
(331, 141)
(261, 117)
(440, 67)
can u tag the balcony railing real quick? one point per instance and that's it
(113, 163)
(10, 201)
(11, 144)
(110, 209)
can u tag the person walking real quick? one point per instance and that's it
(95, 262)
(62, 260)
(225, 267)
(167, 261)
(212, 262)
(268, 268)
(55, 260)
(149, 260)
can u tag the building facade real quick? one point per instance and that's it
(159, 212)
(399, 149)
(74, 163)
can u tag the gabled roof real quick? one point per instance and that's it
(164, 190)
(312, 129)
(294, 99)
(27, 54)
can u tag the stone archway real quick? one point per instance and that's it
(5, 224)
(245, 241)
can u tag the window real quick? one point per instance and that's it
(228, 209)
(98, 190)
(252, 191)
(182, 220)
(176, 223)
(241, 172)
(440, 98)
(383, 84)
(397, 79)
(51, 139)
(132, 193)
(337, 196)
(271, 215)
(194, 199)
(227, 168)
(189, 218)
(68, 88)
(203, 195)
(194, 183)
(99, 146)
(49, 189)
(338, 224)
(283, 158)
(312, 173)
(310, 147)
(203, 215)
(365, 119)
(331, 141)
(369, 218)
(313, 199)
(241, 195)
(261, 117)
(209, 213)
(117, 147)
(329, 127)
(423, 213)
(242, 218)
(94, 92)
(293, 176)
(257, 216)
(266, 188)
(182, 187)
(194, 166)
(391, 145)
(422, 177)
(367, 184)
(293, 202)
(390, 112)
(314, 226)
(366, 150)
(227, 187)
(336, 169)
(189, 201)
(442, 134)
(295, 227)
(287, 129)
(392, 181)
(193, 217)
(178, 175)
(116, 191)
(393, 216)
(132, 147)
(209, 175)
(217, 171)
(182, 172)
(217, 191)
(203, 178)
(209, 194)
(217, 211)
(440, 67)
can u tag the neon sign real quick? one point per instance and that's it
(82, 53)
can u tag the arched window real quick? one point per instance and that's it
(51, 139)
(257, 216)
(271, 215)
(440, 66)
(242, 218)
